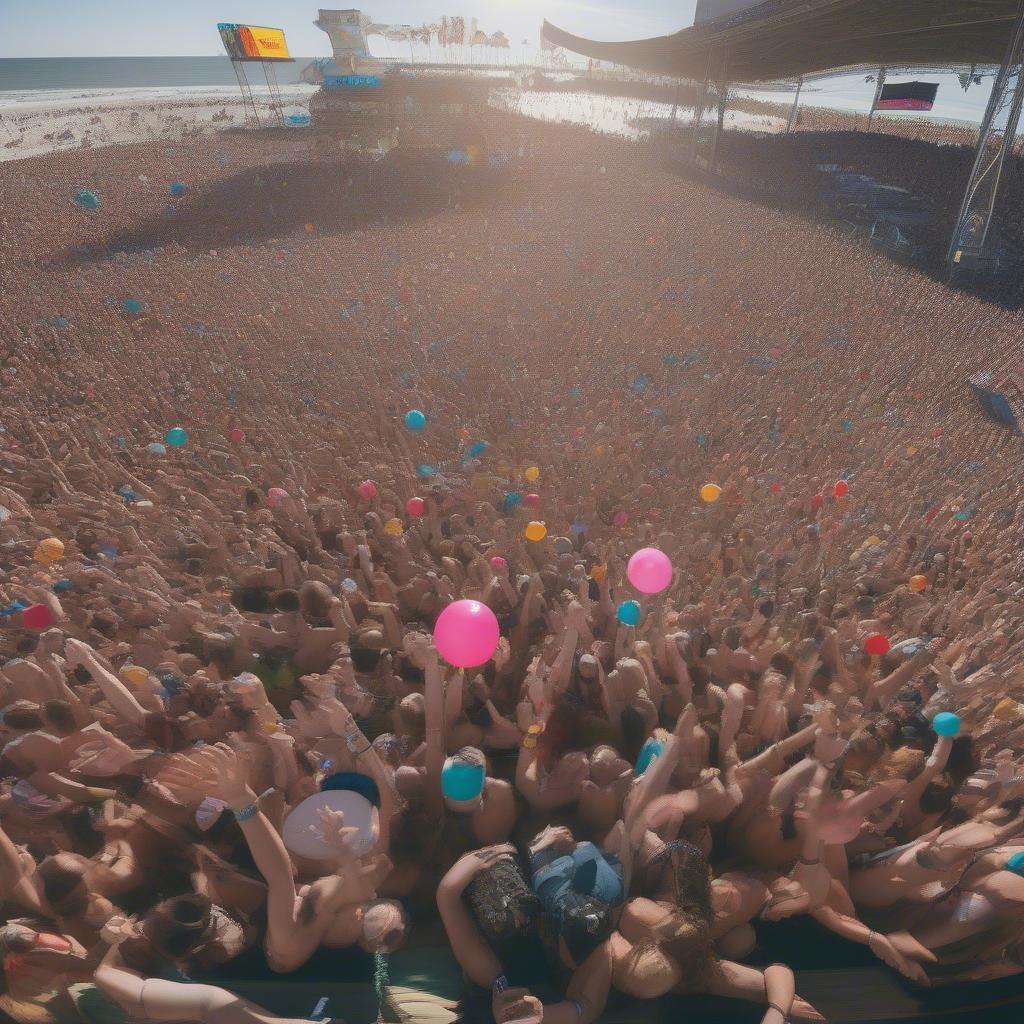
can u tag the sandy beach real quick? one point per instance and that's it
(33, 123)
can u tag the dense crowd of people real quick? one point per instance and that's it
(226, 725)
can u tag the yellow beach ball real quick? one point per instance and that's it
(710, 493)
(536, 531)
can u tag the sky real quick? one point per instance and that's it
(128, 28)
(124, 28)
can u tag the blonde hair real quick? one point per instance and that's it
(646, 972)
(904, 763)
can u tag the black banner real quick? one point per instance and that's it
(908, 96)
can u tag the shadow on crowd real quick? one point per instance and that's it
(782, 172)
(334, 197)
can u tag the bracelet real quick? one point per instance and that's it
(579, 1008)
(809, 863)
(499, 985)
(778, 1009)
(246, 812)
(351, 744)
(529, 742)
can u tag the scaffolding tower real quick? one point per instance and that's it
(972, 249)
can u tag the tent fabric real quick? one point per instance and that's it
(784, 38)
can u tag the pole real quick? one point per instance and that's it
(723, 99)
(878, 95)
(698, 110)
(675, 103)
(796, 105)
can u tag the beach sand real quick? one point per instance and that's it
(33, 123)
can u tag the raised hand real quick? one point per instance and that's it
(210, 771)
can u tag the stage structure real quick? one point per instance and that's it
(256, 44)
(777, 40)
(971, 250)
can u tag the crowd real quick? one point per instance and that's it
(226, 724)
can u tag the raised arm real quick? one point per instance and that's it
(119, 696)
(473, 954)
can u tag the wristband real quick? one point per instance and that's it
(351, 741)
(246, 812)
(499, 985)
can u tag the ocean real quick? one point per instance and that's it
(31, 74)
(28, 75)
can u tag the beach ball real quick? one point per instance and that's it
(918, 583)
(415, 420)
(349, 585)
(309, 228)
(276, 495)
(176, 437)
(628, 613)
(649, 570)
(911, 450)
(498, 563)
(532, 473)
(873, 541)
(535, 531)
(650, 751)
(876, 645)
(49, 550)
(415, 507)
(393, 527)
(776, 488)
(511, 500)
(841, 489)
(87, 200)
(131, 305)
(62, 586)
(177, 187)
(532, 501)
(156, 448)
(237, 436)
(466, 634)
(945, 723)
(134, 675)
(817, 501)
(710, 493)
(367, 490)
(38, 616)
(424, 470)
(620, 518)
(478, 449)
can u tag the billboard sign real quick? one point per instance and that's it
(253, 42)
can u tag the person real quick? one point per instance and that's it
(337, 910)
